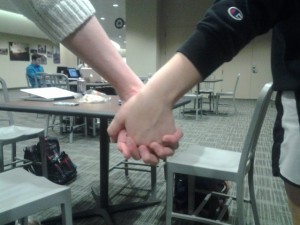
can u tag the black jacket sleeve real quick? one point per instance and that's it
(228, 26)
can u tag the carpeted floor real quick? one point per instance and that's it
(224, 131)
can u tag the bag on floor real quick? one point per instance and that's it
(61, 169)
(212, 207)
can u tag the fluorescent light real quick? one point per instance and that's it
(115, 5)
(102, 18)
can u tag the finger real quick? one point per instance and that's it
(123, 149)
(127, 146)
(147, 156)
(161, 151)
(116, 125)
(173, 138)
(121, 144)
(132, 148)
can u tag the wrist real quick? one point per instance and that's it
(127, 91)
(173, 80)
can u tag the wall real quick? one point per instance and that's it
(178, 19)
(256, 54)
(13, 72)
(142, 47)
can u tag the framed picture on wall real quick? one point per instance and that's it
(56, 54)
(43, 60)
(3, 48)
(42, 49)
(3, 51)
(18, 51)
(33, 51)
(49, 54)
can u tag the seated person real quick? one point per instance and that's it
(33, 69)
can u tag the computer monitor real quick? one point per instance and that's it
(73, 73)
(62, 69)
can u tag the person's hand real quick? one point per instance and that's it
(146, 119)
(149, 154)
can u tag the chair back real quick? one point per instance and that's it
(248, 151)
(236, 83)
(35, 81)
(58, 80)
(38, 83)
(28, 82)
(9, 117)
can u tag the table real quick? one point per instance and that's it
(105, 112)
(94, 86)
(209, 92)
(198, 100)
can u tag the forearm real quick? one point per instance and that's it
(173, 80)
(91, 43)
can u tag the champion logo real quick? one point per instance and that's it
(235, 13)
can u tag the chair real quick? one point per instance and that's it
(127, 166)
(220, 164)
(68, 122)
(23, 194)
(11, 134)
(228, 94)
(58, 80)
(197, 98)
(35, 79)
(207, 90)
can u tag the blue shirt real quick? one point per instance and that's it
(31, 71)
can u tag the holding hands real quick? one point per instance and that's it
(144, 128)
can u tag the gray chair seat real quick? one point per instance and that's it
(18, 133)
(23, 194)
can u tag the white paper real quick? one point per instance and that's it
(50, 92)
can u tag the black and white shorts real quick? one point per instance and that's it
(286, 134)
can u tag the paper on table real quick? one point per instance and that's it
(50, 92)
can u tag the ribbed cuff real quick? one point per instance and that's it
(56, 18)
(64, 18)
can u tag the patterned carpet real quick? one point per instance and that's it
(224, 131)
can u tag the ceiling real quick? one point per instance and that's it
(104, 9)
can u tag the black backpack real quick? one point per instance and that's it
(212, 207)
(61, 169)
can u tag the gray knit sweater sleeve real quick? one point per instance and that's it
(56, 18)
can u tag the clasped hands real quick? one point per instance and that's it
(144, 128)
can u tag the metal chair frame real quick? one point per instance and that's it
(12, 134)
(227, 94)
(220, 164)
(61, 81)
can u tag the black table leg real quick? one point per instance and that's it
(102, 208)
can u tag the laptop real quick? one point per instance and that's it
(91, 76)
(73, 74)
